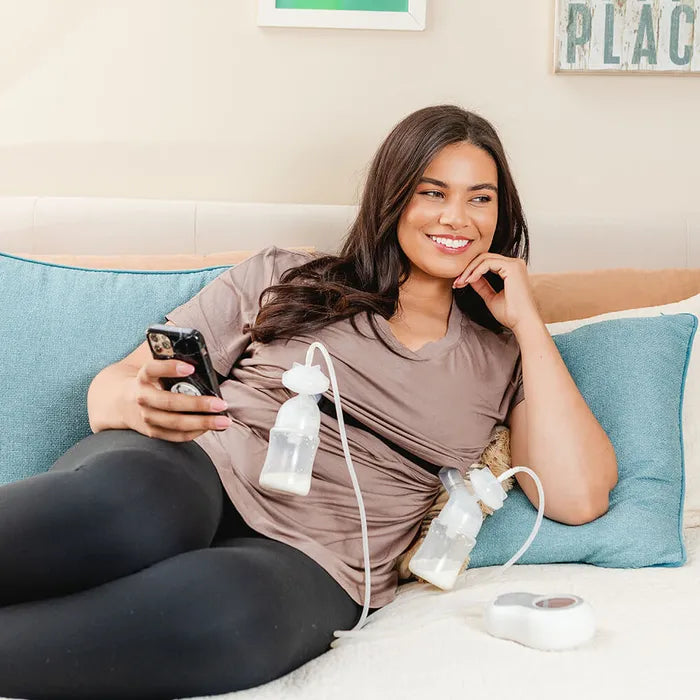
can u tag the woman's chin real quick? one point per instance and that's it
(448, 275)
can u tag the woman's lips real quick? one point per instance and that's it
(447, 249)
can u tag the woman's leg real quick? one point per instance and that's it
(113, 504)
(215, 620)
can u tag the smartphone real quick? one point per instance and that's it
(186, 344)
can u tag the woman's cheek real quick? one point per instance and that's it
(416, 216)
(487, 222)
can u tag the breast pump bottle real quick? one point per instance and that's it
(288, 466)
(452, 534)
(294, 440)
(294, 437)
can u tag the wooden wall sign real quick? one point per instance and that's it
(627, 36)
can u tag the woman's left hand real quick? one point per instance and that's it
(512, 306)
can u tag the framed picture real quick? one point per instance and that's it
(343, 14)
(627, 37)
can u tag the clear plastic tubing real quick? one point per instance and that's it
(358, 494)
(453, 607)
(363, 518)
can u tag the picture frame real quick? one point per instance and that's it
(400, 14)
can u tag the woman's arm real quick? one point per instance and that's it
(107, 401)
(552, 431)
(555, 433)
(106, 397)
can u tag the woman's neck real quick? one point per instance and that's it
(430, 296)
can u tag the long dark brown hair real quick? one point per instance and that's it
(366, 275)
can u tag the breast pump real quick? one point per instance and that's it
(294, 440)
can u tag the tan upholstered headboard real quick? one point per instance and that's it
(580, 265)
(178, 261)
(108, 226)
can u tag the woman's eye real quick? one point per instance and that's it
(433, 193)
(483, 198)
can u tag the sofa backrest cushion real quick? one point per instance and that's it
(59, 327)
(631, 372)
(564, 296)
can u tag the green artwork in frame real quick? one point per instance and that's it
(343, 14)
(368, 5)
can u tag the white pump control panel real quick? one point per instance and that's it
(541, 621)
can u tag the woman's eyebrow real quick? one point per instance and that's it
(440, 183)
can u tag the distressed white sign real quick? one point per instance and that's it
(633, 36)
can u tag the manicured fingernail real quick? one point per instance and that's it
(185, 369)
(218, 405)
(222, 422)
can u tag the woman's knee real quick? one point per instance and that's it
(251, 611)
(159, 492)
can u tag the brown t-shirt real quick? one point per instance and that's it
(437, 406)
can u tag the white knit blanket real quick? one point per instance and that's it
(645, 647)
(646, 644)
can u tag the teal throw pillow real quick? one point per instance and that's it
(60, 326)
(631, 372)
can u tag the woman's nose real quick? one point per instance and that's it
(454, 215)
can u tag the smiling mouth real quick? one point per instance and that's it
(447, 244)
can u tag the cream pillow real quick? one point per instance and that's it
(691, 397)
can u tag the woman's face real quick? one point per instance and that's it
(451, 217)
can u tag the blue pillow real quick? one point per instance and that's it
(60, 326)
(631, 372)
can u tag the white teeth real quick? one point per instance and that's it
(449, 242)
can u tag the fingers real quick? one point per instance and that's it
(484, 263)
(170, 415)
(471, 272)
(153, 369)
(150, 396)
(182, 422)
(467, 277)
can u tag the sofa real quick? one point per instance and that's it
(647, 618)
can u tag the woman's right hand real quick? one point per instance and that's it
(158, 413)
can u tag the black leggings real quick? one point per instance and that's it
(126, 572)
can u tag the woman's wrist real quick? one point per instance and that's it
(109, 398)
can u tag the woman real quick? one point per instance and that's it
(149, 563)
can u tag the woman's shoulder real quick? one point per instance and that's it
(288, 255)
(266, 265)
(276, 257)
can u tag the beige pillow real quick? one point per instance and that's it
(691, 396)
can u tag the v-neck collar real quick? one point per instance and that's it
(432, 348)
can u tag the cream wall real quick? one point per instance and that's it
(190, 99)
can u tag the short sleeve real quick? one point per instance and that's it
(221, 309)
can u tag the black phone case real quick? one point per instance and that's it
(187, 344)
